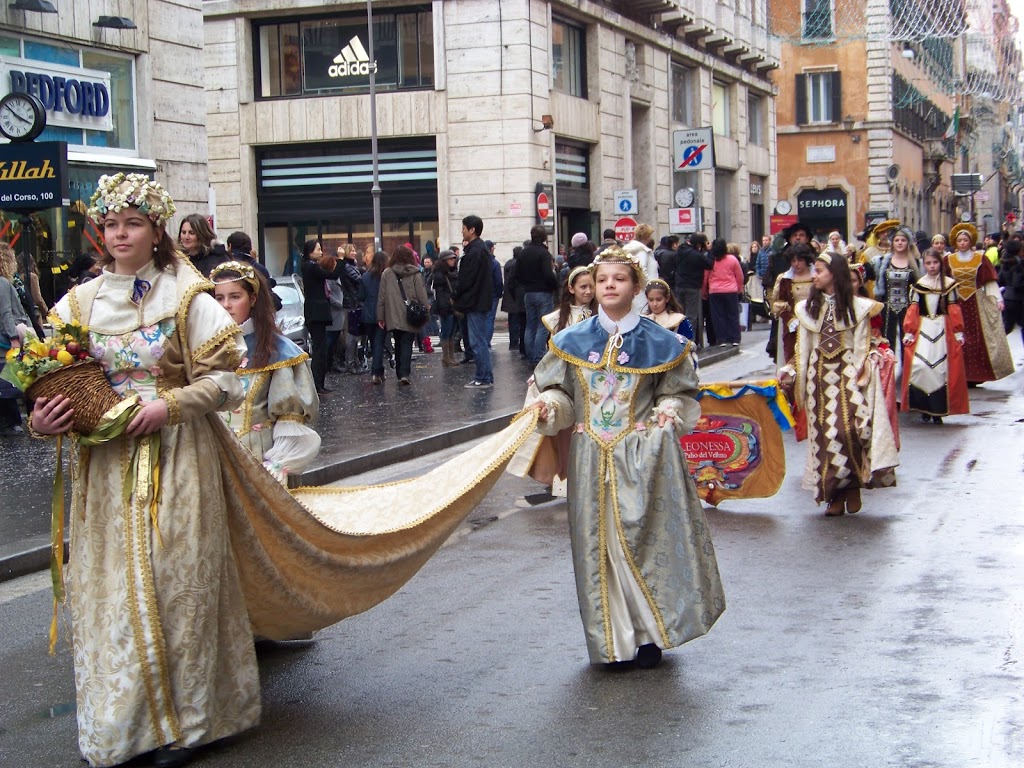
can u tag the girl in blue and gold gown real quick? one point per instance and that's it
(646, 574)
(281, 405)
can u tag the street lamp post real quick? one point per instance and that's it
(375, 189)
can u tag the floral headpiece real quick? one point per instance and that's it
(618, 256)
(246, 272)
(118, 192)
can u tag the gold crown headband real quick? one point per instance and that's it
(118, 192)
(619, 256)
(659, 283)
(246, 272)
(576, 272)
(826, 257)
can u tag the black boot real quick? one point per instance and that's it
(648, 656)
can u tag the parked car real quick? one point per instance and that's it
(290, 318)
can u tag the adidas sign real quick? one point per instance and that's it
(353, 60)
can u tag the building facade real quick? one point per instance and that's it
(863, 118)
(147, 110)
(481, 107)
(990, 140)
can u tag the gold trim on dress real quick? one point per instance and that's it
(291, 362)
(213, 342)
(173, 409)
(630, 561)
(605, 361)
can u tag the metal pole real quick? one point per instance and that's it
(375, 189)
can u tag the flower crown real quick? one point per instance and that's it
(118, 192)
(246, 272)
(618, 256)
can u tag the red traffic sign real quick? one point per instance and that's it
(625, 228)
(543, 206)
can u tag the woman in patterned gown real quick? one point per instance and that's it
(934, 379)
(163, 649)
(851, 443)
(986, 350)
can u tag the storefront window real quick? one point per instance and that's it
(331, 54)
(122, 100)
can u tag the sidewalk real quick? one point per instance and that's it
(362, 426)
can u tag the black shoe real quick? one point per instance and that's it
(925, 418)
(937, 419)
(648, 656)
(467, 361)
(324, 391)
(166, 757)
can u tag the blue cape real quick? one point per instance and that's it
(648, 348)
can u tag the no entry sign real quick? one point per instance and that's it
(625, 228)
(543, 206)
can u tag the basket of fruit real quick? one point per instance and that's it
(62, 365)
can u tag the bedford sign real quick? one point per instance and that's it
(72, 96)
(33, 176)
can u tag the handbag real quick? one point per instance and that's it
(416, 312)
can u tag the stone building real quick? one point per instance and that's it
(154, 122)
(480, 107)
(991, 136)
(864, 104)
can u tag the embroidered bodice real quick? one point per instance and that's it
(831, 342)
(964, 266)
(132, 360)
(897, 284)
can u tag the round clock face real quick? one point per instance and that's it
(22, 117)
(783, 207)
(965, 216)
(684, 197)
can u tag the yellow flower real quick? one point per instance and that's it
(65, 358)
(38, 348)
(12, 353)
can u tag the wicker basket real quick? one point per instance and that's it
(85, 386)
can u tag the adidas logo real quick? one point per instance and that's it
(353, 60)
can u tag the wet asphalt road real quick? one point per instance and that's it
(890, 638)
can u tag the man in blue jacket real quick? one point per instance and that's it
(473, 292)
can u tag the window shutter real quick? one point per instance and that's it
(837, 99)
(801, 99)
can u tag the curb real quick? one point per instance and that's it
(38, 558)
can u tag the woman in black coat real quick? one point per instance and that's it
(316, 271)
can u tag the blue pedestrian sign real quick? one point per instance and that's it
(625, 201)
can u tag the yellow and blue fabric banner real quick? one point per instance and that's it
(736, 450)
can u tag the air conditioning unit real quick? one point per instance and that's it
(966, 183)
